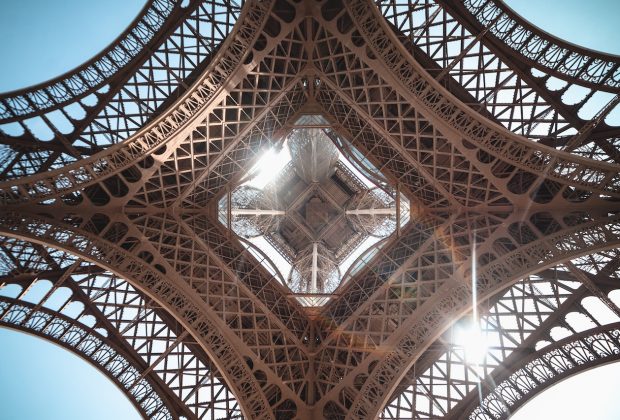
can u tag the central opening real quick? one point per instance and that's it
(310, 208)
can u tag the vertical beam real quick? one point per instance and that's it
(398, 221)
(315, 261)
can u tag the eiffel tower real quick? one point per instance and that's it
(431, 146)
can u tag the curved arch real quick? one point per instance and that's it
(262, 347)
(544, 51)
(569, 243)
(454, 299)
(468, 125)
(103, 302)
(173, 124)
(513, 324)
(530, 118)
(127, 103)
(107, 357)
(546, 367)
(130, 46)
(183, 305)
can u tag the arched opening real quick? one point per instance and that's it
(84, 314)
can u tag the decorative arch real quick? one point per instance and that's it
(483, 193)
(86, 297)
(149, 397)
(237, 373)
(571, 297)
(547, 367)
(141, 35)
(542, 50)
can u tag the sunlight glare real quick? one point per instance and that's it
(474, 343)
(269, 166)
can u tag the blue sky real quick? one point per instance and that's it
(42, 39)
(592, 24)
(47, 38)
(40, 380)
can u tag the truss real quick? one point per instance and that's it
(111, 244)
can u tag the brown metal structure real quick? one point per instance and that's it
(111, 244)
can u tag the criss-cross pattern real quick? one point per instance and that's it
(498, 173)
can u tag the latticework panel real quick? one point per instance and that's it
(538, 311)
(549, 98)
(110, 98)
(112, 324)
(428, 100)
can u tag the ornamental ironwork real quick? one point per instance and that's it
(292, 209)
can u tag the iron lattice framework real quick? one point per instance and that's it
(111, 175)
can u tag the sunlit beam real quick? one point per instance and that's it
(474, 280)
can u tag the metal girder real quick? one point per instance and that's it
(482, 194)
(113, 95)
(534, 48)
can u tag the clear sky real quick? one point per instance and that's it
(43, 38)
(592, 24)
(40, 380)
